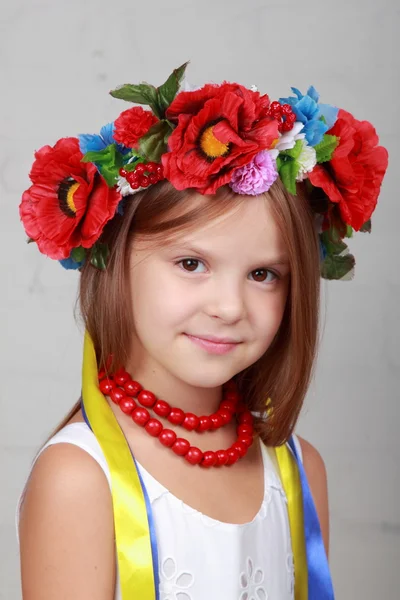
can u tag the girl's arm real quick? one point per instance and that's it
(314, 467)
(66, 529)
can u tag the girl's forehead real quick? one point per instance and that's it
(248, 226)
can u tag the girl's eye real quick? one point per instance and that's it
(191, 265)
(261, 275)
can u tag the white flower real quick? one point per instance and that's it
(123, 187)
(288, 140)
(254, 88)
(307, 161)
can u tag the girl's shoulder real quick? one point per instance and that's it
(66, 512)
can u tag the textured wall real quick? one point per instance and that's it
(58, 61)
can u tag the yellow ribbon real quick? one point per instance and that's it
(132, 534)
(135, 563)
(291, 484)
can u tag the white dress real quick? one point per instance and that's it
(201, 558)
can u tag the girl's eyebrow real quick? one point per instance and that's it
(280, 259)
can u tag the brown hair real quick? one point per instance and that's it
(283, 373)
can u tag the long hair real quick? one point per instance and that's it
(161, 212)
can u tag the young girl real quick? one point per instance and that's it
(201, 227)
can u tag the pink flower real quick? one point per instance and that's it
(256, 177)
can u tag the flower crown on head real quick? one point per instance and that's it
(203, 139)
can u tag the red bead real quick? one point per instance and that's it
(291, 118)
(151, 167)
(246, 439)
(233, 456)
(176, 416)
(144, 181)
(127, 405)
(117, 395)
(153, 178)
(216, 421)
(106, 385)
(162, 408)
(275, 107)
(222, 457)
(245, 429)
(140, 416)
(167, 437)
(246, 417)
(147, 398)
(132, 388)
(209, 459)
(190, 422)
(160, 171)
(132, 177)
(123, 172)
(285, 126)
(225, 415)
(121, 377)
(194, 455)
(232, 396)
(228, 405)
(140, 168)
(286, 109)
(154, 427)
(134, 185)
(181, 446)
(204, 424)
(240, 448)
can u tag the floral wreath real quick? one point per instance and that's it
(203, 139)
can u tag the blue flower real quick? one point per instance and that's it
(317, 118)
(69, 263)
(89, 142)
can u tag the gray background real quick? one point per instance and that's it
(58, 62)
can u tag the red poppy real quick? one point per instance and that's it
(220, 128)
(132, 124)
(353, 176)
(69, 202)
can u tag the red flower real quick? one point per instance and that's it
(220, 128)
(132, 124)
(69, 202)
(353, 176)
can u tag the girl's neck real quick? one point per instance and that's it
(180, 394)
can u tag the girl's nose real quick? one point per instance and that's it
(226, 301)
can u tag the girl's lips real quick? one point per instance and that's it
(213, 346)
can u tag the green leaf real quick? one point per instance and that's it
(109, 161)
(334, 246)
(288, 172)
(349, 231)
(295, 151)
(168, 90)
(326, 148)
(154, 143)
(366, 228)
(338, 267)
(99, 256)
(78, 254)
(139, 94)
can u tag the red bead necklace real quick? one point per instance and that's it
(122, 390)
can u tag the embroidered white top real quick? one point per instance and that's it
(200, 557)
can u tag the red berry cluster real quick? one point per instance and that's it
(145, 174)
(284, 114)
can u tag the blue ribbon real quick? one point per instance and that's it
(150, 518)
(319, 578)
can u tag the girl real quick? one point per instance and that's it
(200, 228)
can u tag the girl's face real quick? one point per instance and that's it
(208, 304)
